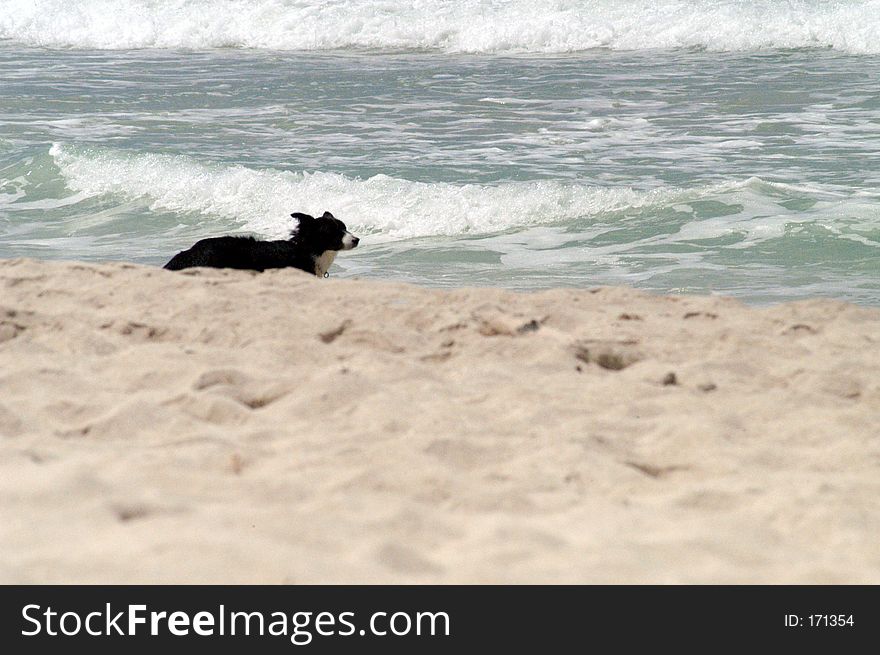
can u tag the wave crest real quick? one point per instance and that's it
(261, 200)
(472, 26)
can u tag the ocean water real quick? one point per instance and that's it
(707, 146)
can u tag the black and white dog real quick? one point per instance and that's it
(312, 247)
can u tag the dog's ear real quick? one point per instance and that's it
(327, 215)
(302, 217)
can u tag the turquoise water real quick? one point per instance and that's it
(734, 161)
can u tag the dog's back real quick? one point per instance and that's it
(237, 252)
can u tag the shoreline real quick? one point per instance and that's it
(225, 426)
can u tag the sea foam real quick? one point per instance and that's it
(454, 26)
(232, 197)
(261, 200)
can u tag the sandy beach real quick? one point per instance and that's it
(223, 426)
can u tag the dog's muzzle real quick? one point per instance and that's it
(349, 241)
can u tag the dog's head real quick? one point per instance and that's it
(323, 233)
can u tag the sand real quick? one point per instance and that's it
(223, 426)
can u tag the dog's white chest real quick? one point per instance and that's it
(322, 263)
